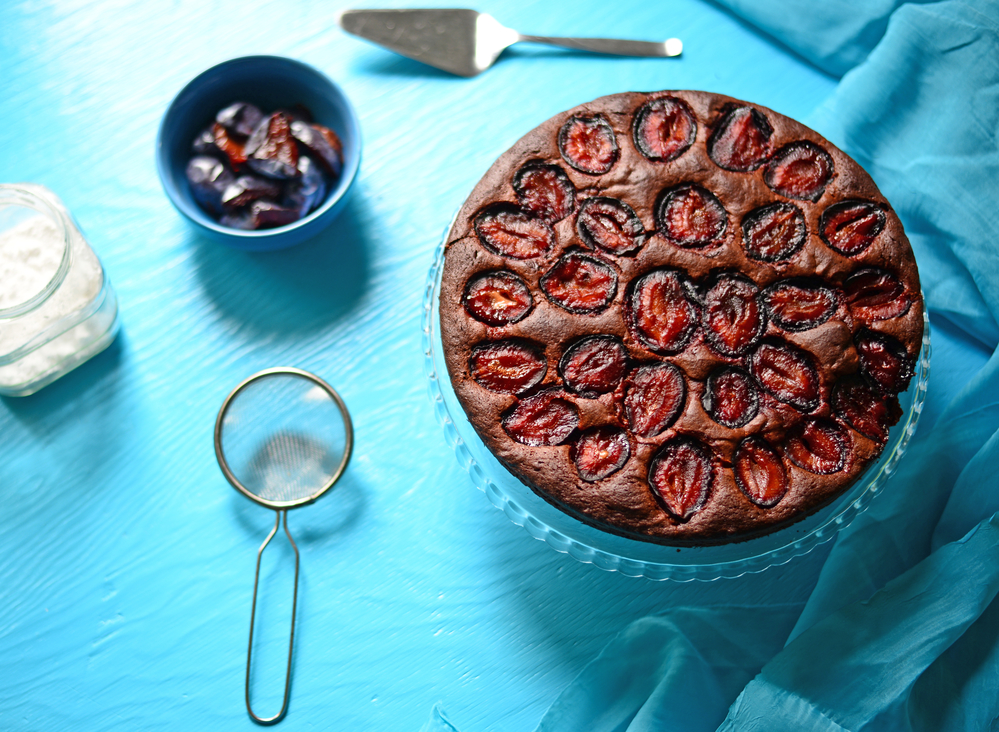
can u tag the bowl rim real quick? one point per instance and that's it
(260, 236)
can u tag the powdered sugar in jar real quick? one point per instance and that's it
(57, 308)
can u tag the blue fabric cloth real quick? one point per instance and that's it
(902, 629)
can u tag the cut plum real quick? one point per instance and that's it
(661, 311)
(242, 219)
(818, 446)
(774, 233)
(611, 225)
(543, 419)
(681, 475)
(852, 226)
(664, 129)
(209, 179)
(246, 189)
(799, 170)
(733, 319)
(545, 190)
(860, 405)
(741, 141)
(587, 142)
(884, 361)
(316, 140)
(798, 304)
(269, 215)
(600, 452)
(497, 298)
(511, 232)
(874, 294)
(234, 150)
(580, 283)
(759, 472)
(654, 397)
(308, 191)
(787, 373)
(730, 398)
(691, 217)
(594, 365)
(508, 367)
(331, 137)
(204, 143)
(240, 119)
(271, 150)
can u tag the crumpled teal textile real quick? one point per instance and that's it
(902, 629)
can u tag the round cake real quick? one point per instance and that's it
(680, 317)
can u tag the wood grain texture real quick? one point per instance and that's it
(126, 560)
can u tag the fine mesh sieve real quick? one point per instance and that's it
(283, 437)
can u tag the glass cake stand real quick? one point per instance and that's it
(640, 558)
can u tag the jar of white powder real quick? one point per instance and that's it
(57, 308)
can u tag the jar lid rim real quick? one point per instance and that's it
(45, 202)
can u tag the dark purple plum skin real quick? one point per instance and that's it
(208, 178)
(246, 189)
(317, 145)
(267, 215)
(204, 144)
(240, 118)
(308, 191)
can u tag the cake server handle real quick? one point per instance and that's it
(612, 46)
(253, 612)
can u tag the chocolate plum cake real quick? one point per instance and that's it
(680, 317)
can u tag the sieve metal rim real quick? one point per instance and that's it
(347, 426)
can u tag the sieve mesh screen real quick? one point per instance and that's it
(283, 437)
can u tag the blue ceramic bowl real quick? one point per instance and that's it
(270, 82)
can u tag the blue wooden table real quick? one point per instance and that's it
(126, 560)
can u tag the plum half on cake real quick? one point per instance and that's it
(680, 317)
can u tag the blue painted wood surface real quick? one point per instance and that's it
(126, 560)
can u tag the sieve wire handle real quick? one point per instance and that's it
(253, 613)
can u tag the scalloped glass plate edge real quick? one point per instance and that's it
(651, 561)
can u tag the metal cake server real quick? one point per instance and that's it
(466, 42)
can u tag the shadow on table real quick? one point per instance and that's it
(290, 291)
(329, 518)
(92, 393)
(85, 389)
(389, 63)
(577, 608)
(334, 513)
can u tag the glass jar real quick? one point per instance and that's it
(57, 308)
